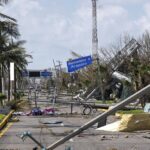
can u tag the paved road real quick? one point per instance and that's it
(89, 140)
(45, 134)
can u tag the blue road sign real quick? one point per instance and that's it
(25, 73)
(36, 73)
(79, 63)
(46, 74)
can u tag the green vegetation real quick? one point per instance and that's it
(13, 104)
(18, 95)
(1, 117)
(11, 50)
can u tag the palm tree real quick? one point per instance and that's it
(3, 2)
(8, 32)
(14, 52)
(10, 51)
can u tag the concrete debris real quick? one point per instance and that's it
(53, 122)
(126, 136)
(129, 123)
(71, 140)
(19, 113)
(103, 136)
(147, 137)
(110, 127)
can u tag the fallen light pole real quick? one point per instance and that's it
(28, 134)
(91, 94)
(100, 117)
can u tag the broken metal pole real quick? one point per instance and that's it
(91, 94)
(28, 134)
(101, 117)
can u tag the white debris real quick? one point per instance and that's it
(110, 127)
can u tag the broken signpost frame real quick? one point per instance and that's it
(127, 51)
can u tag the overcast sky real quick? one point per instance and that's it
(52, 28)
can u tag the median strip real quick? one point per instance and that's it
(5, 120)
(5, 130)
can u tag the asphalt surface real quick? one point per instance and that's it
(88, 140)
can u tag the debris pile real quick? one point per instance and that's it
(37, 111)
(129, 123)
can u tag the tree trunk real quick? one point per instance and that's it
(15, 82)
(0, 78)
(3, 81)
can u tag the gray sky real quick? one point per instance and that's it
(52, 28)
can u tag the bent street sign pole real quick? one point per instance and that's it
(79, 63)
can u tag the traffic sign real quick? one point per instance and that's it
(46, 73)
(25, 73)
(34, 74)
(79, 63)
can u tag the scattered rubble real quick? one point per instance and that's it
(129, 123)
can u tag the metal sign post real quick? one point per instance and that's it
(35, 98)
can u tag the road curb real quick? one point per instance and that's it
(5, 120)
